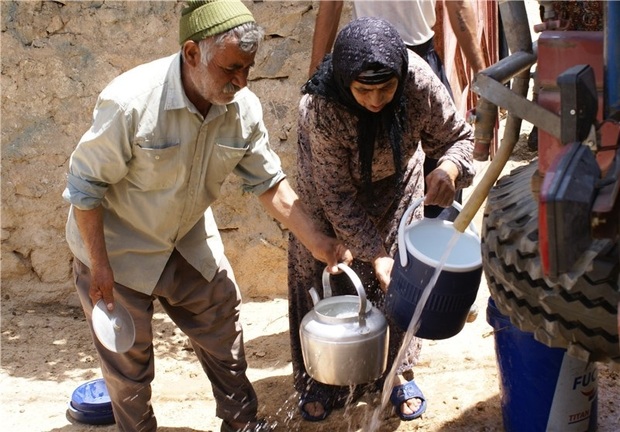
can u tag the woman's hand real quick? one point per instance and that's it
(383, 270)
(441, 185)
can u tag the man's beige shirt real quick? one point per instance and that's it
(156, 165)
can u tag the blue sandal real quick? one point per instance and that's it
(402, 393)
(308, 398)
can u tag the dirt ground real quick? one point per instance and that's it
(47, 352)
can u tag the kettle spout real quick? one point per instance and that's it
(315, 295)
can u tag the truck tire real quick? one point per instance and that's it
(577, 312)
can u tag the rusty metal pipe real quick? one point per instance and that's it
(508, 67)
(517, 64)
(516, 24)
(486, 119)
(524, 55)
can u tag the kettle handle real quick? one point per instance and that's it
(327, 288)
(402, 247)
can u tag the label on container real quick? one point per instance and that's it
(574, 407)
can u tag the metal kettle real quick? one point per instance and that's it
(344, 339)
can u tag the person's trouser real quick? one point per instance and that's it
(207, 312)
(430, 56)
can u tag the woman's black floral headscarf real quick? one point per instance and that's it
(365, 44)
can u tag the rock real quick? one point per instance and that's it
(56, 58)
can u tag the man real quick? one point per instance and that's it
(414, 21)
(141, 181)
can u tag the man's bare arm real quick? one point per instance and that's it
(325, 29)
(463, 21)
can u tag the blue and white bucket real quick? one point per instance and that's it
(542, 388)
(421, 246)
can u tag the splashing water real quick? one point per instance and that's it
(414, 324)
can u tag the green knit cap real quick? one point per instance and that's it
(204, 18)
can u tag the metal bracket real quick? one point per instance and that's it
(520, 107)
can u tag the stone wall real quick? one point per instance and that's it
(56, 58)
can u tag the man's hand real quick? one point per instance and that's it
(282, 202)
(332, 251)
(102, 285)
(90, 224)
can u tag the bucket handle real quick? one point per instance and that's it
(327, 288)
(402, 247)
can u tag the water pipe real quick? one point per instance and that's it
(517, 67)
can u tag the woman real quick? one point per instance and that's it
(360, 165)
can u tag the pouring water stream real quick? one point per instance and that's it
(465, 216)
(375, 422)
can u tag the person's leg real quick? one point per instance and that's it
(208, 313)
(128, 376)
(316, 400)
(434, 61)
(406, 402)
(314, 403)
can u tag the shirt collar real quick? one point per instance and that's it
(175, 96)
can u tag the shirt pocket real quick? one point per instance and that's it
(154, 168)
(226, 156)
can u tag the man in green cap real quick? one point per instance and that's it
(141, 182)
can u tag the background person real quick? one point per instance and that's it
(141, 183)
(414, 20)
(368, 116)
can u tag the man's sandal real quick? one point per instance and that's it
(258, 426)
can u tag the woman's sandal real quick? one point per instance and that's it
(310, 398)
(401, 394)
